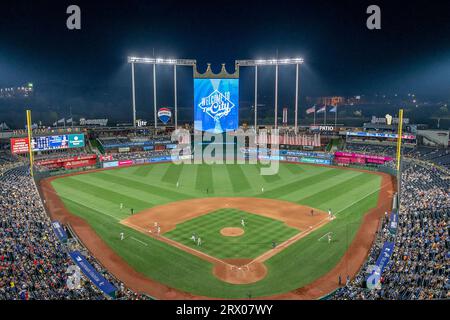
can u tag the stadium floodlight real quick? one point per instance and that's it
(276, 63)
(157, 61)
(269, 62)
(178, 62)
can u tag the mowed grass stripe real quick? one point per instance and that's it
(302, 193)
(138, 185)
(99, 192)
(302, 183)
(118, 191)
(172, 174)
(238, 179)
(143, 170)
(204, 179)
(316, 200)
(294, 168)
(84, 207)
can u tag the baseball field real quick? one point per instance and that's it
(261, 236)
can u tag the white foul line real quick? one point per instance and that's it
(139, 241)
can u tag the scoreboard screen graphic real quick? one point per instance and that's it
(216, 105)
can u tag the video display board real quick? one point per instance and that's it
(43, 143)
(216, 105)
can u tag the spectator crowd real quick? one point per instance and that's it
(419, 265)
(33, 262)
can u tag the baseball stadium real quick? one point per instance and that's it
(216, 209)
(232, 193)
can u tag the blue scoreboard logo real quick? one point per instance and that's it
(216, 104)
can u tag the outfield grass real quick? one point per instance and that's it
(96, 197)
(259, 234)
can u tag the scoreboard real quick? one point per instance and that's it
(50, 143)
(57, 142)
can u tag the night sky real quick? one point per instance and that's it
(410, 54)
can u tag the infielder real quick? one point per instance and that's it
(242, 222)
(330, 214)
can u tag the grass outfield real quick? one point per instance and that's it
(96, 197)
(259, 233)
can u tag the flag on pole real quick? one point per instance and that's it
(333, 109)
(311, 110)
(323, 109)
(55, 123)
(62, 120)
(69, 120)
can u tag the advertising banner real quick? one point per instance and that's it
(161, 159)
(164, 114)
(125, 163)
(110, 164)
(381, 263)
(97, 279)
(393, 222)
(148, 148)
(360, 158)
(380, 135)
(19, 145)
(76, 140)
(59, 231)
(216, 105)
(79, 163)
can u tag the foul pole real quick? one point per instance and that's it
(399, 155)
(30, 146)
(399, 137)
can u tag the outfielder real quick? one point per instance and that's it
(121, 236)
(121, 206)
(329, 238)
(199, 241)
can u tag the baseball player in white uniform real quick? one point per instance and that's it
(121, 236)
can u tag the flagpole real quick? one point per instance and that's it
(314, 115)
(335, 117)
(325, 116)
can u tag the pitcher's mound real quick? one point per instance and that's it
(232, 232)
(235, 271)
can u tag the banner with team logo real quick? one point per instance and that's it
(216, 105)
(89, 271)
(59, 231)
